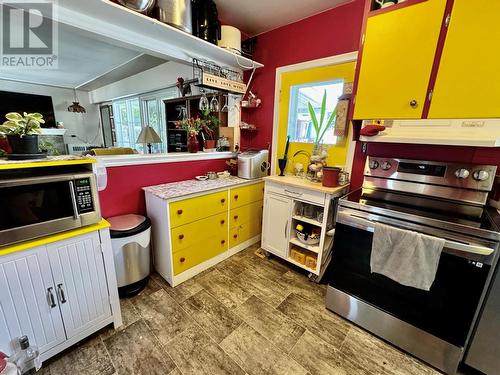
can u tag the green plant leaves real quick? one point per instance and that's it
(321, 127)
(26, 124)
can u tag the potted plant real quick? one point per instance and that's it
(22, 131)
(193, 127)
(209, 128)
(321, 126)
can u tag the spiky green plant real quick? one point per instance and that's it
(321, 126)
(21, 125)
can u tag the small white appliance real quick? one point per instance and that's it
(253, 164)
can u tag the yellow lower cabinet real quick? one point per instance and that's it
(189, 210)
(199, 252)
(244, 232)
(245, 213)
(190, 234)
(246, 194)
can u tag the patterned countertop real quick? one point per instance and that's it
(188, 187)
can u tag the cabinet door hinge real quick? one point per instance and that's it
(447, 20)
(429, 95)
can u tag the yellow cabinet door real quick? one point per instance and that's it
(245, 214)
(246, 194)
(189, 210)
(468, 80)
(396, 63)
(199, 252)
(189, 234)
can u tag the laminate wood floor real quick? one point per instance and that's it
(246, 315)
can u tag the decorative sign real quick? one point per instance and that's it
(217, 82)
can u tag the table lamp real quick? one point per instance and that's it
(148, 135)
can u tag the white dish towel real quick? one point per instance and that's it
(408, 257)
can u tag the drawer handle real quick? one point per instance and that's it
(293, 192)
(50, 298)
(223, 200)
(235, 236)
(181, 236)
(413, 103)
(236, 196)
(235, 217)
(223, 242)
(179, 212)
(222, 222)
(182, 260)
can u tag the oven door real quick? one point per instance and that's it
(447, 311)
(36, 207)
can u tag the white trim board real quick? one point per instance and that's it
(140, 159)
(332, 60)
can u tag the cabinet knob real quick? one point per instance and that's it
(181, 236)
(223, 200)
(222, 222)
(179, 212)
(235, 236)
(413, 103)
(182, 260)
(236, 196)
(223, 242)
(235, 217)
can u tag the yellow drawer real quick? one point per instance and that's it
(199, 253)
(246, 194)
(244, 232)
(189, 210)
(245, 213)
(190, 234)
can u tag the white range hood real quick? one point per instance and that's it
(459, 132)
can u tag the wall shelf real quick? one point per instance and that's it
(115, 24)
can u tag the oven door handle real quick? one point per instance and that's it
(369, 226)
(76, 214)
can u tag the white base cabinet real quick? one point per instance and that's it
(59, 293)
(291, 202)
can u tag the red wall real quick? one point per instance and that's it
(124, 194)
(329, 33)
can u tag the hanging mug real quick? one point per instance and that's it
(385, 3)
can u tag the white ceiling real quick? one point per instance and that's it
(83, 61)
(255, 17)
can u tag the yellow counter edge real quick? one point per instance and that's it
(49, 163)
(53, 238)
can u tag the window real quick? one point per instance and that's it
(131, 114)
(300, 127)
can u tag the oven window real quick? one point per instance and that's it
(32, 204)
(446, 311)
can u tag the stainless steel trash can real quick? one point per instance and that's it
(131, 239)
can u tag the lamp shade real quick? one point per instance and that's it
(148, 135)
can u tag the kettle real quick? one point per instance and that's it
(205, 20)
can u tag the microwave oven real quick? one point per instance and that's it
(37, 206)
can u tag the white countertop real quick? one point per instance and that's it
(306, 184)
(188, 187)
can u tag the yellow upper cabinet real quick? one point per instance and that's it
(468, 80)
(398, 54)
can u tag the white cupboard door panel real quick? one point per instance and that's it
(276, 224)
(79, 276)
(25, 305)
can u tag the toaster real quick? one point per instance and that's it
(253, 164)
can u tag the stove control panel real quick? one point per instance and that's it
(457, 175)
